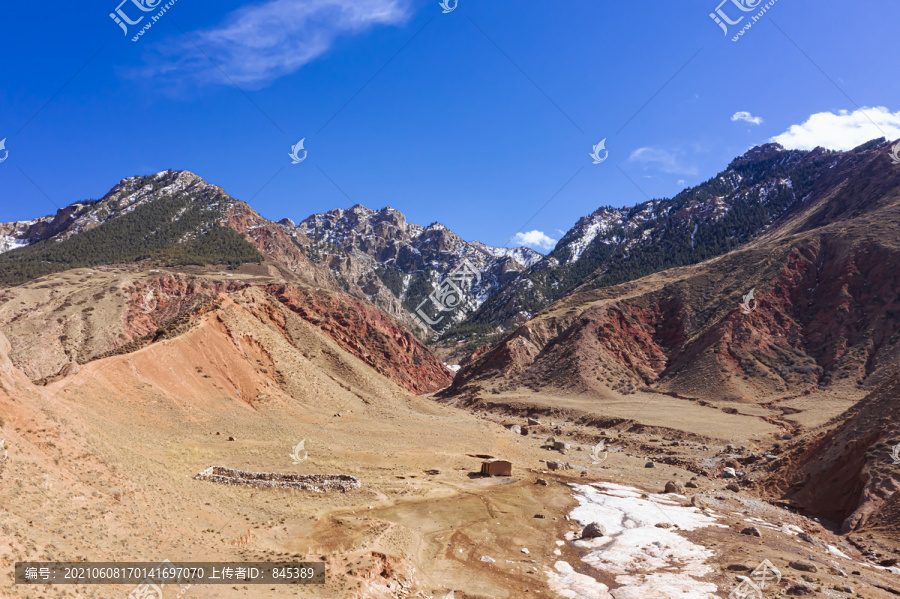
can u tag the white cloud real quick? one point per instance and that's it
(841, 131)
(666, 161)
(745, 116)
(261, 42)
(534, 239)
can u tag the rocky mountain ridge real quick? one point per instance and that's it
(381, 253)
(616, 245)
(824, 313)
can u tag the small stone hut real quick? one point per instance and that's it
(496, 468)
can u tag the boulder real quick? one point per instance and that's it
(673, 486)
(803, 566)
(593, 530)
(534, 422)
(729, 473)
(751, 531)
(738, 568)
(558, 465)
(798, 590)
(516, 429)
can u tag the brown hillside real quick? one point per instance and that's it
(847, 474)
(827, 313)
(61, 322)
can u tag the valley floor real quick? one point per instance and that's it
(101, 467)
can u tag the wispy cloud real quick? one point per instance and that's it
(259, 43)
(843, 130)
(667, 161)
(534, 239)
(745, 116)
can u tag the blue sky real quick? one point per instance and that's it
(482, 118)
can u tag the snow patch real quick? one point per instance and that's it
(568, 583)
(647, 562)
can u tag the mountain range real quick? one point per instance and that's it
(768, 292)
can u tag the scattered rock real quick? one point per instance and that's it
(815, 542)
(663, 525)
(534, 422)
(487, 559)
(673, 486)
(738, 568)
(593, 530)
(803, 566)
(558, 465)
(798, 590)
(561, 445)
(751, 531)
(729, 473)
(541, 482)
(691, 485)
(844, 589)
(231, 439)
(733, 488)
